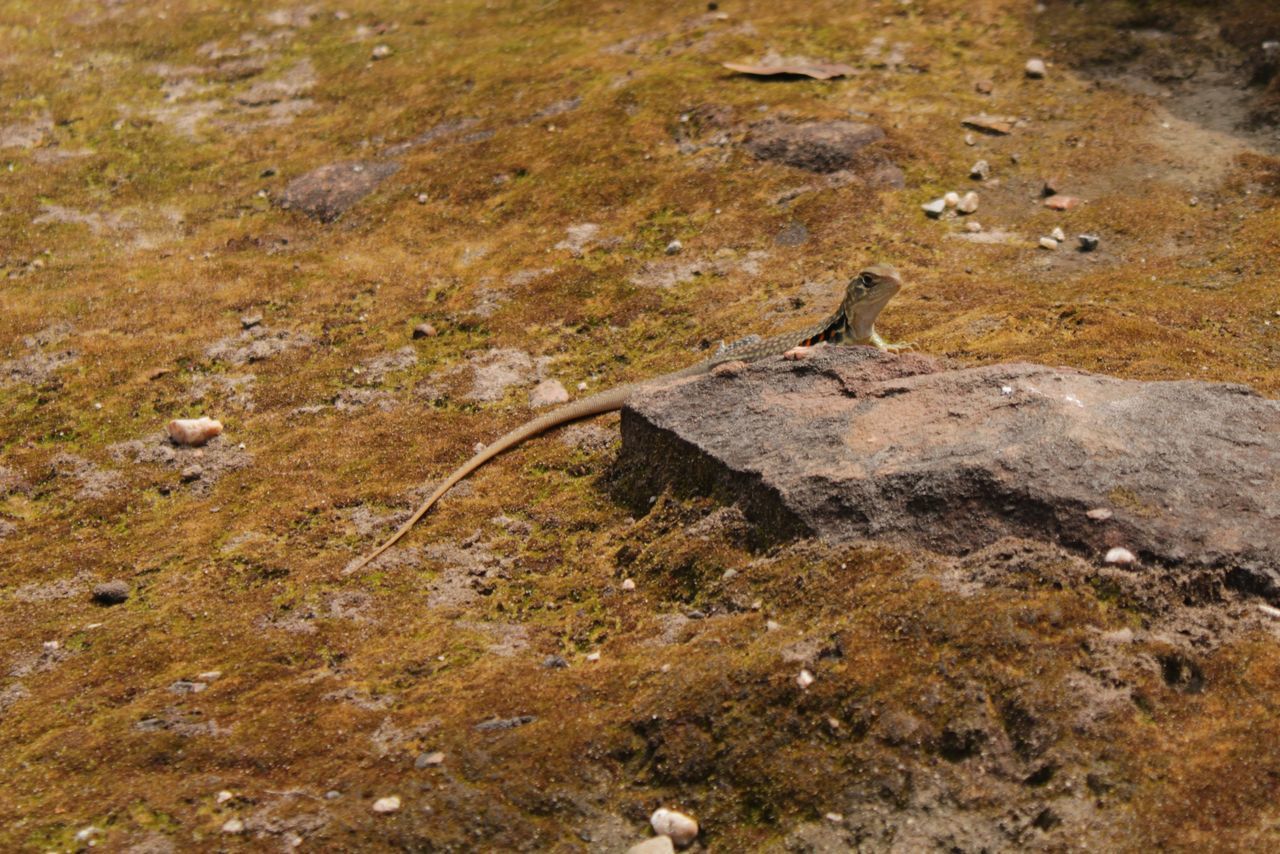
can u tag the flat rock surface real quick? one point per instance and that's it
(815, 146)
(854, 444)
(328, 192)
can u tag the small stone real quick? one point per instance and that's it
(1269, 610)
(193, 432)
(1120, 557)
(681, 828)
(1048, 243)
(1099, 514)
(209, 676)
(427, 760)
(805, 679)
(190, 473)
(628, 585)
(1058, 235)
(423, 198)
(554, 662)
(222, 797)
(1035, 69)
(970, 139)
(1061, 202)
(424, 330)
(52, 646)
(111, 592)
(548, 392)
(84, 834)
(951, 199)
(1088, 242)
(593, 656)
(249, 321)
(1193, 201)
(332, 795)
(386, 805)
(381, 51)
(233, 825)
(183, 686)
(980, 171)
(968, 203)
(934, 208)
(983, 87)
(729, 574)
(656, 845)
(973, 227)
(674, 247)
(834, 817)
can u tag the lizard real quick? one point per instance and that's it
(852, 323)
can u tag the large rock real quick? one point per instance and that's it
(328, 192)
(815, 146)
(856, 444)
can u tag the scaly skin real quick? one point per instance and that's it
(852, 323)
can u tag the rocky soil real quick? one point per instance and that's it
(365, 237)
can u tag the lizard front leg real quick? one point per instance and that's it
(880, 344)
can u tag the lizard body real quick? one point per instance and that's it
(853, 323)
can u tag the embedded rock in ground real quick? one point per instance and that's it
(815, 146)
(856, 444)
(328, 192)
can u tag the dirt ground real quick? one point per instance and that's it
(243, 211)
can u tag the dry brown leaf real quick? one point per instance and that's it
(1000, 125)
(816, 70)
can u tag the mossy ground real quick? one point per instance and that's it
(180, 242)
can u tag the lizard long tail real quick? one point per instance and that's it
(607, 401)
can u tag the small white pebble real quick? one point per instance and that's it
(52, 646)
(582, 386)
(757, 605)
(973, 227)
(934, 208)
(681, 828)
(805, 679)
(594, 656)
(729, 574)
(653, 845)
(1058, 234)
(834, 817)
(233, 825)
(84, 834)
(381, 51)
(1099, 514)
(222, 797)
(674, 247)
(97, 405)
(1193, 201)
(1048, 243)
(980, 170)
(628, 584)
(951, 199)
(968, 203)
(1035, 68)
(1120, 557)
(772, 625)
(1006, 389)
(193, 432)
(970, 139)
(422, 198)
(385, 805)
(1270, 611)
(434, 758)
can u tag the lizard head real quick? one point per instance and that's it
(868, 293)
